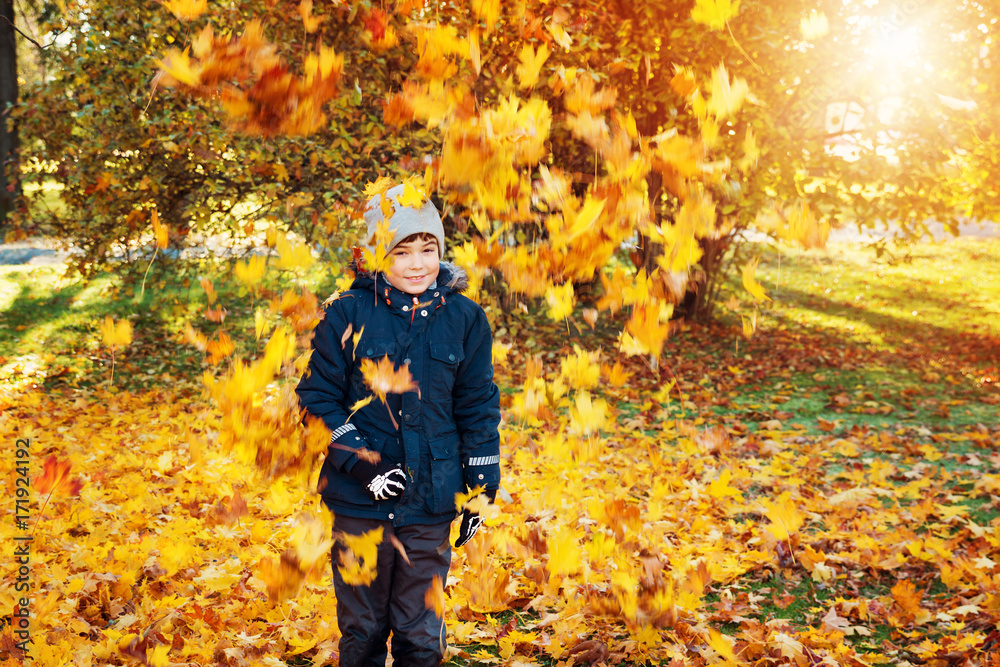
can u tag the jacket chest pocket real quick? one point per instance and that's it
(374, 351)
(445, 359)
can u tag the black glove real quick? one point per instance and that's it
(382, 481)
(471, 521)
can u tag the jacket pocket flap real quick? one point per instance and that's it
(376, 348)
(449, 353)
(444, 448)
(373, 442)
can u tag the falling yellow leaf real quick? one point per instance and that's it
(251, 272)
(564, 552)
(220, 348)
(293, 254)
(463, 499)
(588, 416)
(749, 325)
(714, 13)
(616, 374)
(282, 578)
(750, 282)
(475, 55)
(177, 65)
(203, 42)
(310, 22)
(209, 288)
(561, 301)
(530, 64)
(356, 338)
(159, 231)
(726, 96)
(186, 10)
(116, 334)
(649, 327)
(383, 378)
(358, 405)
(260, 324)
(359, 558)
(488, 11)
(583, 220)
(815, 25)
(581, 369)
(466, 255)
(559, 35)
(309, 539)
(500, 353)
(434, 597)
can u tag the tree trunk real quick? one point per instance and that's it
(9, 182)
(700, 297)
(644, 256)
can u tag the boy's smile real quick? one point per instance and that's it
(415, 266)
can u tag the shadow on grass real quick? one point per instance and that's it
(909, 339)
(50, 335)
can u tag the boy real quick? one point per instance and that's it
(432, 442)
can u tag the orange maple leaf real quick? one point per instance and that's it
(283, 577)
(434, 597)
(384, 378)
(55, 478)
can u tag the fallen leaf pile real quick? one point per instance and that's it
(620, 539)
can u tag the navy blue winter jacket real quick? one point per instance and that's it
(447, 438)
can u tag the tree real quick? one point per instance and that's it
(9, 186)
(555, 148)
(118, 144)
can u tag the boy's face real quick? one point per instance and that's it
(415, 266)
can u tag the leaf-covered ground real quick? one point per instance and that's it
(825, 492)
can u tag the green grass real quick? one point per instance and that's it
(50, 336)
(868, 341)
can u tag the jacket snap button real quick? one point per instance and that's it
(407, 418)
(391, 515)
(424, 313)
(406, 361)
(451, 357)
(370, 351)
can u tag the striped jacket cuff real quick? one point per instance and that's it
(484, 460)
(347, 435)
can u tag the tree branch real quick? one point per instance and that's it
(22, 33)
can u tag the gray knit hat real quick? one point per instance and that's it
(405, 221)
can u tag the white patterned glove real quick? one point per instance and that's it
(382, 481)
(472, 521)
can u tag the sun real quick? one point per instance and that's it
(893, 51)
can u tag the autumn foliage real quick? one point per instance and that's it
(492, 163)
(184, 527)
(608, 545)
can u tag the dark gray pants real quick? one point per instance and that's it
(395, 600)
